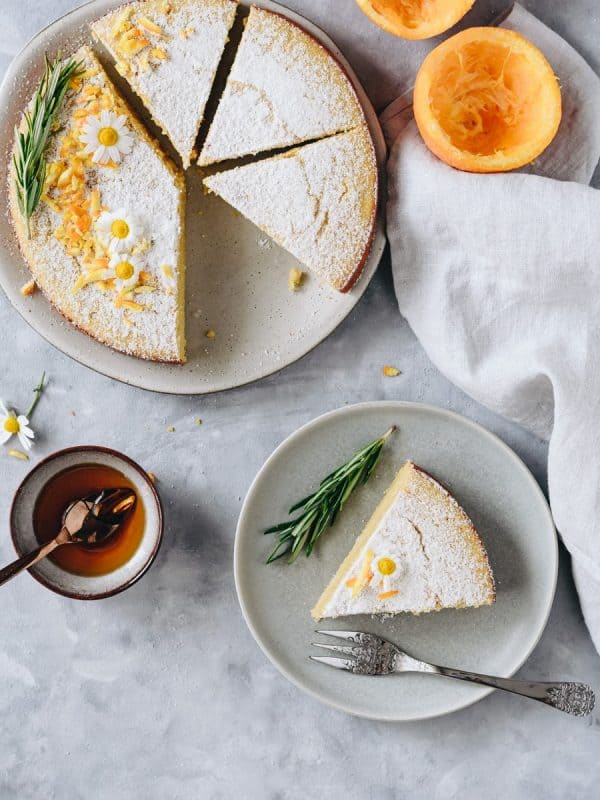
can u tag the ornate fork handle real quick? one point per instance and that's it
(573, 698)
(368, 654)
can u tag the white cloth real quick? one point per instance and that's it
(499, 277)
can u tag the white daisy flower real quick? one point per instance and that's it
(386, 571)
(106, 137)
(11, 424)
(125, 269)
(119, 230)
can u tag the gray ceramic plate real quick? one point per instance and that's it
(237, 278)
(497, 491)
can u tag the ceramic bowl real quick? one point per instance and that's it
(53, 576)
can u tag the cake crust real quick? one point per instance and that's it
(435, 557)
(150, 323)
(328, 220)
(169, 51)
(255, 114)
(65, 278)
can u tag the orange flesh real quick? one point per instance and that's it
(484, 97)
(486, 100)
(415, 19)
(387, 595)
(405, 13)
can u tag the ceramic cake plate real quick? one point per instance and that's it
(496, 490)
(236, 276)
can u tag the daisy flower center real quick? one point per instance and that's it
(108, 136)
(386, 566)
(124, 270)
(11, 425)
(119, 229)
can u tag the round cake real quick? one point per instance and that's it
(287, 146)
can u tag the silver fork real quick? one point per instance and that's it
(369, 654)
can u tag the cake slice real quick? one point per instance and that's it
(168, 51)
(284, 88)
(319, 201)
(106, 244)
(419, 552)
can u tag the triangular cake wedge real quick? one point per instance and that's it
(169, 51)
(419, 552)
(123, 284)
(318, 201)
(284, 88)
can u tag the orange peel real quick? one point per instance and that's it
(487, 100)
(415, 19)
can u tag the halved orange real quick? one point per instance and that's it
(415, 19)
(486, 100)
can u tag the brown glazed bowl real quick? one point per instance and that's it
(53, 576)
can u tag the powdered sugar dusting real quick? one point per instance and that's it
(284, 88)
(151, 333)
(318, 201)
(175, 90)
(440, 561)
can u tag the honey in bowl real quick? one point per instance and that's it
(73, 484)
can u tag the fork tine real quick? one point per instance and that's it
(349, 649)
(360, 638)
(339, 634)
(338, 663)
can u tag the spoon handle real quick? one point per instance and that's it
(28, 560)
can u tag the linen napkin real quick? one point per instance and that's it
(499, 277)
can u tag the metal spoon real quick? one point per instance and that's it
(90, 520)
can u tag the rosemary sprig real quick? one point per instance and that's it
(320, 509)
(32, 140)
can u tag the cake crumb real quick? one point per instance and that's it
(265, 243)
(152, 476)
(210, 334)
(197, 421)
(295, 279)
(170, 429)
(390, 372)
(28, 288)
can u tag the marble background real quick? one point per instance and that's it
(161, 692)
